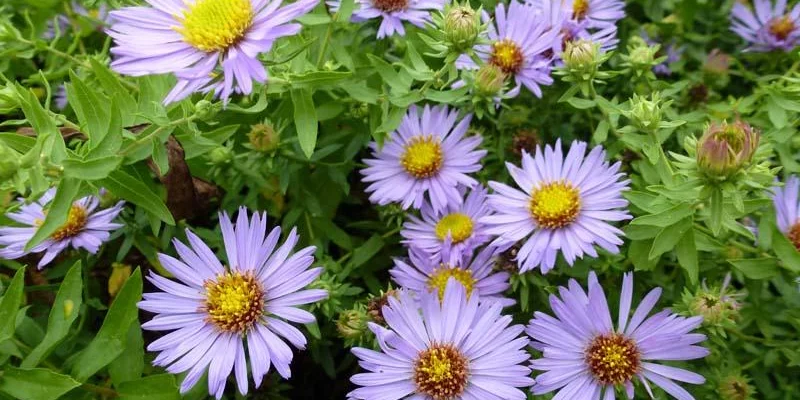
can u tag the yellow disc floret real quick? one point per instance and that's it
(439, 277)
(422, 157)
(781, 27)
(555, 205)
(234, 302)
(441, 372)
(76, 221)
(457, 225)
(507, 56)
(216, 25)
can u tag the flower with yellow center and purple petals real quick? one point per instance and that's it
(767, 27)
(210, 45)
(426, 159)
(521, 44)
(584, 354)
(787, 209)
(592, 20)
(564, 206)
(392, 13)
(85, 228)
(460, 347)
(214, 309)
(421, 274)
(456, 230)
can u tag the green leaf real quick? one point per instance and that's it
(785, 250)
(111, 340)
(716, 209)
(305, 120)
(112, 142)
(21, 144)
(260, 105)
(130, 364)
(126, 103)
(35, 384)
(89, 108)
(757, 268)
(581, 104)
(153, 387)
(667, 217)
(160, 157)
(346, 8)
(66, 193)
(315, 79)
(687, 256)
(197, 145)
(366, 251)
(44, 125)
(121, 184)
(601, 133)
(389, 75)
(669, 237)
(10, 305)
(63, 313)
(90, 170)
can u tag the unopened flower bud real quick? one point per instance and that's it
(735, 387)
(489, 80)
(220, 156)
(375, 306)
(205, 110)
(717, 63)
(645, 113)
(524, 140)
(580, 55)
(264, 137)
(352, 324)
(716, 305)
(119, 274)
(726, 148)
(461, 27)
(9, 99)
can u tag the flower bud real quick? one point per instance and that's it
(264, 137)
(645, 113)
(119, 274)
(717, 63)
(205, 110)
(461, 27)
(716, 305)
(9, 99)
(352, 324)
(9, 163)
(525, 140)
(221, 155)
(359, 110)
(735, 387)
(726, 148)
(580, 55)
(375, 306)
(489, 80)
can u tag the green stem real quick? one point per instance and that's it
(155, 132)
(435, 78)
(326, 40)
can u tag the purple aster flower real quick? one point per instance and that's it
(427, 153)
(210, 45)
(769, 28)
(422, 274)
(60, 97)
(522, 44)
(787, 209)
(99, 15)
(85, 228)
(455, 230)
(599, 14)
(572, 29)
(564, 205)
(215, 309)
(454, 349)
(393, 13)
(584, 355)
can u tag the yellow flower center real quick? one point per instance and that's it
(580, 8)
(507, 56)
(422, 157)
(389, 6)
(439, 277)
(234, 302)
(76, 221)
(613, 359)
(441, 372)
(215, 25)
(555, 205)
(794, 234)
(457, 225)
(781, 27)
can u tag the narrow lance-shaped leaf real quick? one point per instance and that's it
(63, 313)
(305, 120)
(10, 305)
(35, 384)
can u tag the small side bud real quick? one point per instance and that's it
(645, 113)
(352, 324)
(489, 80)
(264, 137)
(220, 156)
(461, 27)
(735, 387)
(726, 148)
(581, 55)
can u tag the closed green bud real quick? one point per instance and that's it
(9, 163)
(264, 137)
(205, 110)
(461, 27)
(581, 55)
(221, 155)
(9, 99)
(641, 56)
(717, 305)
(489, 80)
(645, 113)
(735, 387)
(352, 324)
(726, 148)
